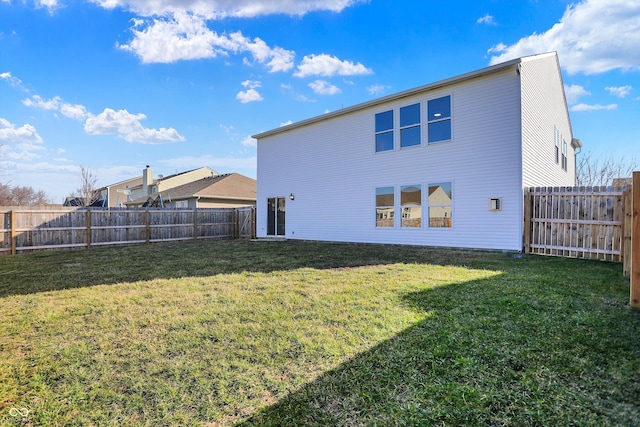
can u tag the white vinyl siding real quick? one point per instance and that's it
(543, 113)
(332, 169)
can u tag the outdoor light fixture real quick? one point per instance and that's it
(291, 196)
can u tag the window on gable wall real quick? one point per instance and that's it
(564, 155)
(410, 125)
(556, 135)
(384, 131)
(439, 119)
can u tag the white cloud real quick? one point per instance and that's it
(186, 36)
(12, 135)
(218, 9)
(251, 84)
(128, 127)
(12, 80)
(323, 87)
(19, 143)
(327, 65)
(620, 91)
(182, 38)
(486, 19)
(122, 123)
(593, 36)
(297, 96)
(574, 92)
(376, 89)
(74, 111)
(593, 107)
(287, 123)
(49, 4)
(220, 164)
(37, 102)
(247, 96)
(249, 142)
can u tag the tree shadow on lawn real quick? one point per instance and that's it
(499, 351)
(57, 270)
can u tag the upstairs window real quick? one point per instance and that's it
(410, 125)
(384, 131)
(384, 207)
(439, 119)
(564, 155)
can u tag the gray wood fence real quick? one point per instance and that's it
(28, 230)
(580, 222)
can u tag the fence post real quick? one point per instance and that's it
(527, 221)
(88, 228)
(14, 232)
(253, 222)
(627, 228)
(635, 244)
(236, 224)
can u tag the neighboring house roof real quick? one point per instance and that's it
(410, 92)
(168, 177)
(232, 186)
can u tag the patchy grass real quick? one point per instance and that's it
(300, 333)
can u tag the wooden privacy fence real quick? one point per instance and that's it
(580, 222)
(27, 230)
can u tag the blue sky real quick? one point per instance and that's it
(114, 85)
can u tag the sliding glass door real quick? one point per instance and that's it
(276, 216)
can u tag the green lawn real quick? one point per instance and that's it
(213, 333)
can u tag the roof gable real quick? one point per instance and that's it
(410, 92)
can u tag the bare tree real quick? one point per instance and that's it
(87, 192)
(593, 171)
(21, 196)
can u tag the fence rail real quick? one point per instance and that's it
(27, 230)
(580, 222)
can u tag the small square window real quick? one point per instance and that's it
(410, 115)
(384, 121)
(410, 136)
(384, 141)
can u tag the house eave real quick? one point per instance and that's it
(514, 63)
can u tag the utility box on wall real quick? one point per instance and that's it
(495, 204)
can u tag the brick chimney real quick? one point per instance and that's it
(147, 180)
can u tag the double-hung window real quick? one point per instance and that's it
(564, 155)
(557, 141)
(410, 125)
(440, 205)
(439, 119)
(411, 204)
(385, 207)
(384, 131)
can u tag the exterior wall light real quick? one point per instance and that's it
(292, 196)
